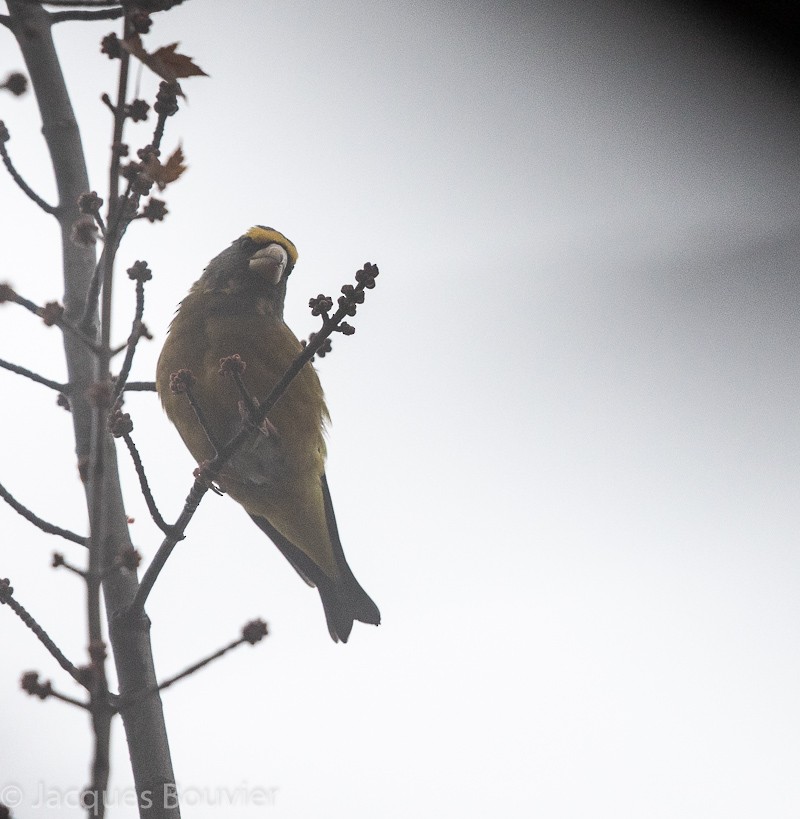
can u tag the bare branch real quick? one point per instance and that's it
(39, 379)
(15, 175)
(50, 528)
(105, 14)
(234, 367)
(140, 273)
(32, 685)
(140, 386)
(145, 486)
(182, 382)
(51, 313)
(196, 493)
(80, 3)
(87, 322)
(7, 598)
(252, 633)
(59, 561)
(123, 210)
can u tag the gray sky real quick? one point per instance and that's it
(564, 445)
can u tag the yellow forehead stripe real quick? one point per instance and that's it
(266, 235)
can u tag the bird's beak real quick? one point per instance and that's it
(269, 262)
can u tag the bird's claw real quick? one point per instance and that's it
(246, 414)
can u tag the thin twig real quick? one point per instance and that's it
(7, 597)
(145, 486)
(70, 700)
(22, 184)
(39, 379)
(252, 633)
(198, 665)
(158, 133)
(59, 561)
(133, 340)
(201, 418)
(43, 689)
(125, 370)
(50, 528)
(196, 493)
(92, 294)
(82, 3)
(250, 403)
(103, 14)
(140, 386)
(185, 673)
(53, 318)
(98, 218)
(113, 234)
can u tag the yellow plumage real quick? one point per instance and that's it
(278, 475)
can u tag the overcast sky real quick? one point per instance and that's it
(564, 450)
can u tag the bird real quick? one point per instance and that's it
(278, 475)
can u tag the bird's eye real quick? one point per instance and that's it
(269, 262)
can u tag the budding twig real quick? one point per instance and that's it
(39, 379)
(140, 273)
(52, 313)
(234, 367)
(183, 381)
(121, 426)
(87, 14)
(50, 528)
(140, 386)
(59, 561)
(35, 687)
(7, 597)
(252, 633)
(21, 183)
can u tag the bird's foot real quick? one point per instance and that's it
(246, 414)
(202, 474)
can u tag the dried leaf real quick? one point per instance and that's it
(162, 175)
(164, 61)
(174, 166)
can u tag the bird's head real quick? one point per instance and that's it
(260, 261)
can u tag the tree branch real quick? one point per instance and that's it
(52, 313)
(7, 598)
(252, 633)
(140, 273)
(31, 684)
(81, 3)
(140, 386)
(21, 183)
(107, 14)
(39, 379)
(50, 528)
(145, 486)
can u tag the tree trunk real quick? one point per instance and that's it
(143, 720)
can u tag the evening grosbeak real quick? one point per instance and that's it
(278, 474)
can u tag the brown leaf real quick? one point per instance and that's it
(164, 61)
(174, 167)
(162, 175)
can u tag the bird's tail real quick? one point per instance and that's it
(343, 600)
